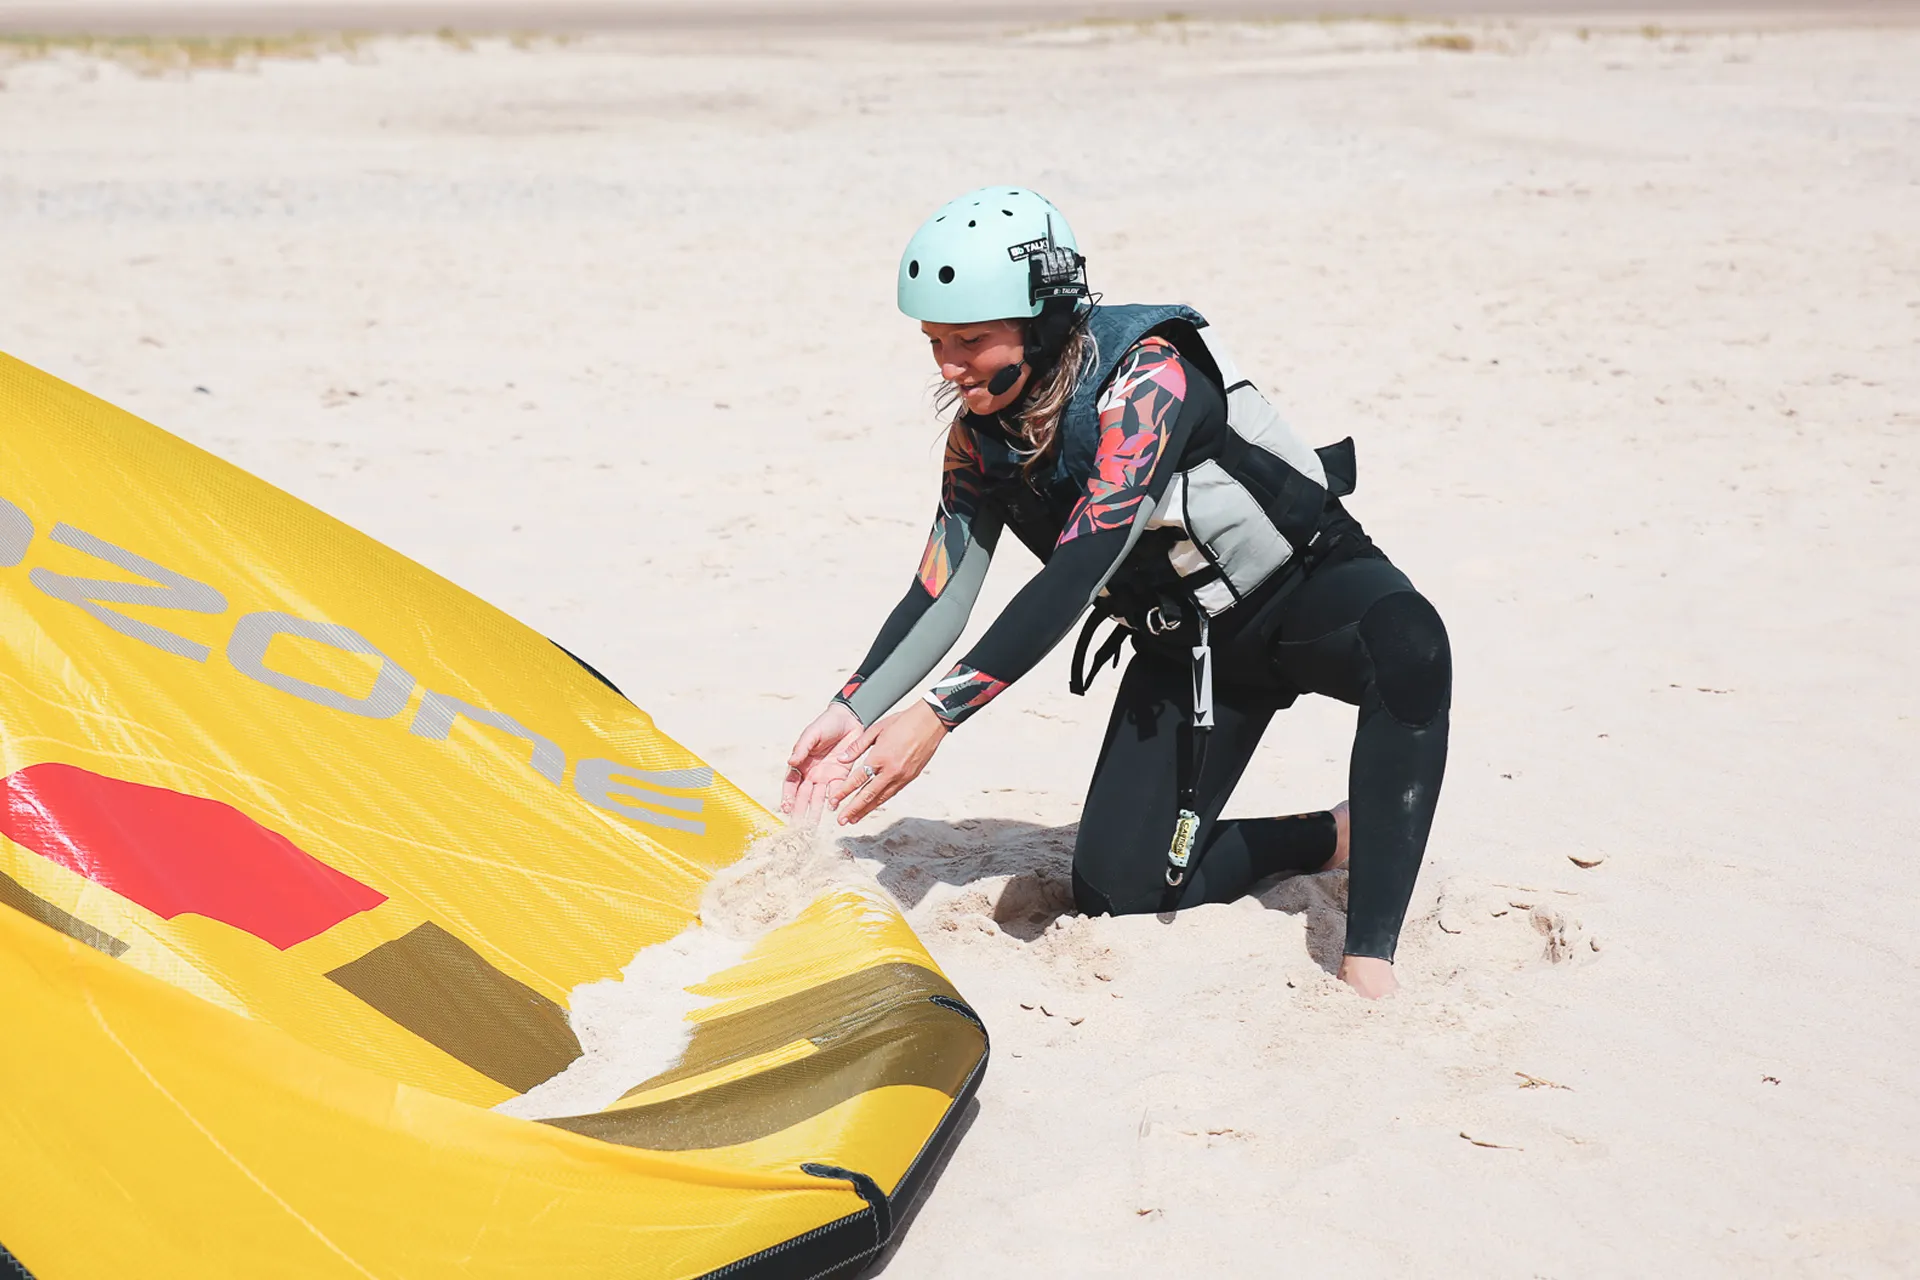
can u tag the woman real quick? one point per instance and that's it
(1122, 446)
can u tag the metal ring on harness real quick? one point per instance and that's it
(1158, 624)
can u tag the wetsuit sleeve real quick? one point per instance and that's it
(930, 617)
(1141, 430)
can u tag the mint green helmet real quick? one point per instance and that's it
(994, 254)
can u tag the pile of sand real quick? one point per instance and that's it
(635, 1027)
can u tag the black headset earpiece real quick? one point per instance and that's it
(1056, 279)
(1047, 335)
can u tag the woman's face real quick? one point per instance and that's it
(970, 354)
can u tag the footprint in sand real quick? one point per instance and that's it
(1486, 913)
(1567, 938)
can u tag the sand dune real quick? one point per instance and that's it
(1627, 326)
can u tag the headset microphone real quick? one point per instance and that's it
(1056, 279)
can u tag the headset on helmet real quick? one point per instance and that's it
(1057, 283)
(994, 254)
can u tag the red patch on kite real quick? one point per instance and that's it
(178, 855)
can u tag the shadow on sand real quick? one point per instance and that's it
(1020, 874)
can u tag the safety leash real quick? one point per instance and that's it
(1186, 829)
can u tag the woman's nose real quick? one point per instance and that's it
(952, 372)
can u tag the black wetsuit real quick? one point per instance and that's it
(1352, 628)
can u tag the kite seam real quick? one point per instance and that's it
(867, 1189)
(783, 1246)
(12, 1266)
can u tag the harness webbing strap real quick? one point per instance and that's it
(1080, 676)
(1186, 828)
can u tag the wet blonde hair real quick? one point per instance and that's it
(1037, 414)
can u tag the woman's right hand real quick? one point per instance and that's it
(814, 764)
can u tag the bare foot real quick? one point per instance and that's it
(1369, 976)
(1340, 824)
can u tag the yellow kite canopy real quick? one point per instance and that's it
(302, 850)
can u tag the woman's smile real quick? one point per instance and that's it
(969, 355)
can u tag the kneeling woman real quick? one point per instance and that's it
(1124, 448)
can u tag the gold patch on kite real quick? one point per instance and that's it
(443, 991)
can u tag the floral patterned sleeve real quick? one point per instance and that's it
(1140, 427)
(1137, 412)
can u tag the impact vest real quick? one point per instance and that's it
(1233, 520)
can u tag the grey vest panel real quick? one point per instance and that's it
(1245, 513)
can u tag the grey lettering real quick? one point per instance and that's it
(16, 533)
(435, 720)
(247, 651)
(594, 780)
(637, 794)
(177, 591)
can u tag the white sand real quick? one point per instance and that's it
(633, 1027)
(1628, 329)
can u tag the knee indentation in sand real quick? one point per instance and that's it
(1026, 908)
(975, 875)
(916, 854)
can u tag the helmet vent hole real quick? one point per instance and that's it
(913, 269)
(941, 218)
(946, 275)
(1008, 212)
(972, 223)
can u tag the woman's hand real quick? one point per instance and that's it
(897, 749)
(814, 765)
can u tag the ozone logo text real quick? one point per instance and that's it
(639, 795)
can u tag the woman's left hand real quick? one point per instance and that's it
(897, 748)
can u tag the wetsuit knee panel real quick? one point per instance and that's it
(1143, 899)
(1412, 661)
(1087, 900)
